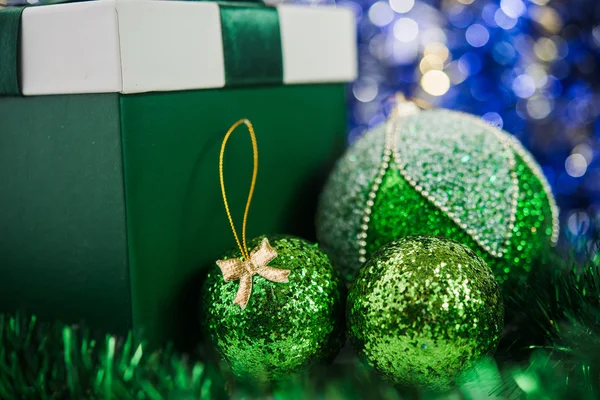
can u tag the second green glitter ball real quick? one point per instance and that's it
(422, 309)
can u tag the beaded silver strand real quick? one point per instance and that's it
(403, 109)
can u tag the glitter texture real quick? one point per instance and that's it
(286, 327)
(458, 177)
(422, 309)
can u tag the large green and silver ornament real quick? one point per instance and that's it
(423, 309)
(438, 172)
(283, 324)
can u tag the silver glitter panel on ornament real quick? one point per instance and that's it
(465, 169)
(342, 221)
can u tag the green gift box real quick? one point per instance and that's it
(111, 120)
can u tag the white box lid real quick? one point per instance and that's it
(136, 46)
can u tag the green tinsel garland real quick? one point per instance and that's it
(557, 320)
(550, 350)
(53, 361)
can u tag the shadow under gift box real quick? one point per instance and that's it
(111, 122)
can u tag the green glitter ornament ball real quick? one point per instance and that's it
(444, 173)
(285, 327)
(422, 309)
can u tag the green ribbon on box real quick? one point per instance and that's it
(10, 26)
(251, 46)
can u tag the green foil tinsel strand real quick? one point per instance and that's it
(40, 361)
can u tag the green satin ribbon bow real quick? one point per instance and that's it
(251, 46)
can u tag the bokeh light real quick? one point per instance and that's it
(406, 29)
(539, 107)
(578, 222)
(477, 35)
(545, 49)
(493, 118)
(524, 86)
(435, 82)
(381, 14)
(437, 49)
(429, 62)
(504, 21)
(402, 6)
(513, 8)
(576, 165)
(365, 89)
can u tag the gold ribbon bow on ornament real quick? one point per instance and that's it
(234, 269)
(256, 261)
